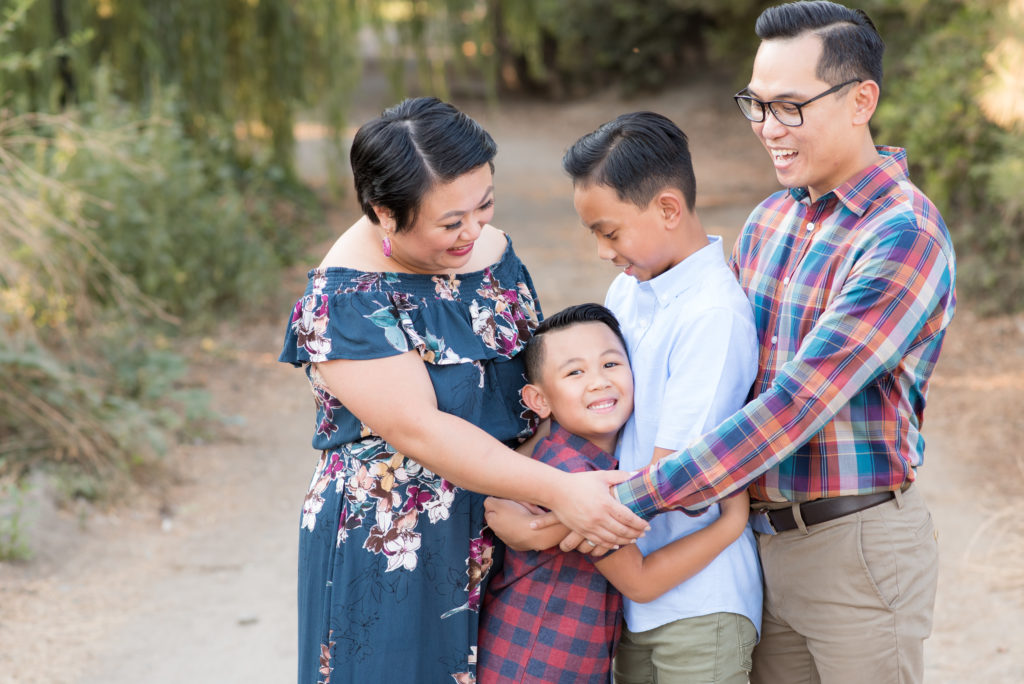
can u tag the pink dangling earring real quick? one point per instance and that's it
(385, 246)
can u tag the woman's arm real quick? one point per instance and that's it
(395, 398)
(644, 579)
(510, 520)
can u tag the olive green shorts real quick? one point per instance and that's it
(710, 648)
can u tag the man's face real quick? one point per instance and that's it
(824, 151)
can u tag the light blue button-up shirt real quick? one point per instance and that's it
(693, 349)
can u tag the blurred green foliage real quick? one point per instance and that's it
(951, 67)
(941, 101)
(570, 47)
(139, 207)
(255, 62)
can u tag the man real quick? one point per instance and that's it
(851, 275)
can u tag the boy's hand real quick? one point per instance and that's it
(543, 430)
(735, 511)
(510, 521)
(660, 453)
(589, 508)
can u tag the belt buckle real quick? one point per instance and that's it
(761, 523)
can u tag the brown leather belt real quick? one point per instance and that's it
(823, 510)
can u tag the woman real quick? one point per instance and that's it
(409, 331)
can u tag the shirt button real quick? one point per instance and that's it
(810, 227)
(785, 281)
(775, 339)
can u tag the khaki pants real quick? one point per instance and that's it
(849, 600)
(709, 649)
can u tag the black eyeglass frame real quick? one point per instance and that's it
(768, 105)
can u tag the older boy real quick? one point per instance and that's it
(550, 616)
(692, 344)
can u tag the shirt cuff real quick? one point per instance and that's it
(652, 491)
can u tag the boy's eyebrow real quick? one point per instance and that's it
(577, 359)
(460, 212)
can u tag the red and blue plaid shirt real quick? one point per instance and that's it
(852, 295)
(550, 616)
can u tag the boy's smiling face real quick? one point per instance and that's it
(585, 382)
(632, 238)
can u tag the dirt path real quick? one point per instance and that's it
(194, 581)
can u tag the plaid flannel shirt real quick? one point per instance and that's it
(550, 616)
(852, 295)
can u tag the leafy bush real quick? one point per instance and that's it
(257, 63)
(183, 220)
(967, 158)
(113, 229)
(57, 397)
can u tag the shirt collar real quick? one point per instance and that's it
(600, 458)
(687, 273)
(860, 191)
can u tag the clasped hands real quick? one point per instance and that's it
(587, 517)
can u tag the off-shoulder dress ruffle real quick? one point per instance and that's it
(393, 558)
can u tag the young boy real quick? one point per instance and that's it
(691, 339)
(550, 616)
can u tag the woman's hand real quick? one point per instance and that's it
(587, 507)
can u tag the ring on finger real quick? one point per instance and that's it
(592, 544)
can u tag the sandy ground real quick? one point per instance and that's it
(193, 580)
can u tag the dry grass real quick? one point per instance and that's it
(52, 271)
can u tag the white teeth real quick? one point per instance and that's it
(607, 403)
(782, 155)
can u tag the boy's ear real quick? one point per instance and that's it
(671, 206)
(533, 397)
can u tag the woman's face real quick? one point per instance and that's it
(450, 220)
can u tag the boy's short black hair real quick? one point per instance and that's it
(637, 155)
(851, 46)
(533, 354)
(399, 156)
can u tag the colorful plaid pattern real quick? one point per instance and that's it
(549, 616)
(852, 295)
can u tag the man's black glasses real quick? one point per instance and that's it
(786, 113)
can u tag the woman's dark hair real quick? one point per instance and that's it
(637, 155)
(851, 46)
(411, 147)
(533, 354)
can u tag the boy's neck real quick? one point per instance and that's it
(688, 239)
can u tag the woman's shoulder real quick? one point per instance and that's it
(491, 248)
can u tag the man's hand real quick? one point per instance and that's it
(588, 508)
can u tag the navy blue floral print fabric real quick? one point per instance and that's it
(393, 558)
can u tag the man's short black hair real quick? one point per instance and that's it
(851, 46)
(637, 155)
(533, 354)
(399, 156)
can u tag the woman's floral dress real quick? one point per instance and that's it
(392, 557)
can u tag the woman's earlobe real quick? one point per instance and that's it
(385, 218)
